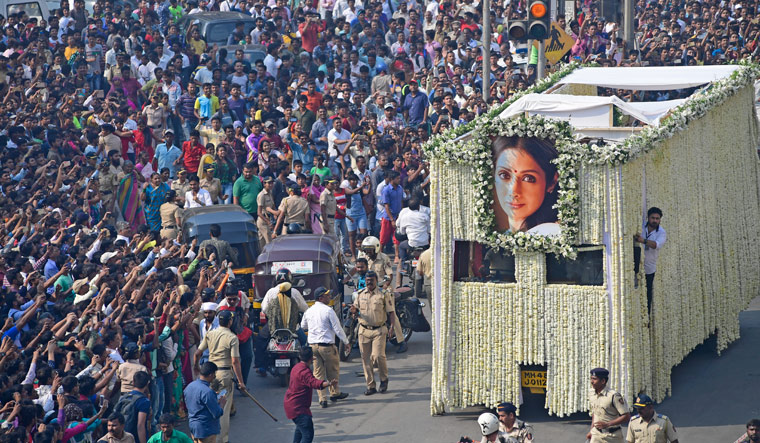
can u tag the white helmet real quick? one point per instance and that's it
(488, 423)
(371, 243)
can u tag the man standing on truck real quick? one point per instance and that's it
(653, 239)
(607, 408)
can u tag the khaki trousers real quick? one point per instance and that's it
(265, 233)
(372, 348)
(209, 439)
(225, 379)
(326, 367)
(607, 437)
(328, 224)
(167, 234)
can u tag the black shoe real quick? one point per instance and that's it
(261, 372)
(340, 396)
(402, 348)
(323, 404)
(370, 391)
(383, 386)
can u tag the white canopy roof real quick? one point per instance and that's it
(650, 78)
(583, 111)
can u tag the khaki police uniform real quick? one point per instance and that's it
(374, 307)
(327, 200)
(521, 432)
(264, 200)
(606, 406)
(223, 346)
(169, 213)
(109, 182)
(658, 430)
(383, 267)
(295, 209)
(214, 188)
(181, 188)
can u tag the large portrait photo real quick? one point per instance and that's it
(525, 185)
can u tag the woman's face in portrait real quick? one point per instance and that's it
(520, 187)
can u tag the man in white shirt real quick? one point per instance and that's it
(323, 325)
(196, 196)
(653, 240)
(415, 223)
(272, 61)
(337, 144)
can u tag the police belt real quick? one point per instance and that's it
(224, 368)
(330, 216)
(372, 328)
(610, 430)
(322, 344)
(170, 227)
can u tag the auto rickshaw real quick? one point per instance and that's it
(238, 229)
(314, 260)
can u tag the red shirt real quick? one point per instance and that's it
(309, 35)
(298, 396)
(193, 154)
(313, 102)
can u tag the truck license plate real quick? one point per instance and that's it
(282, 363)
(533, 379)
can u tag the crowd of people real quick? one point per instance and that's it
(115, 119)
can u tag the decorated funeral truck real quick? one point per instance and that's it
(535, 208)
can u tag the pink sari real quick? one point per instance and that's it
(316, 226)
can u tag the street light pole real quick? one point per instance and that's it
(486, 50)
(628, 23)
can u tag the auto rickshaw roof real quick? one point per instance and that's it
(296, 247)
(237, 225)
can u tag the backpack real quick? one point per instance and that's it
(126, 407)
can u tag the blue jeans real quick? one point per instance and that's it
(342, 232)
(304, 429)
(188, 127)
(227, 190)
(96, 81)
(246, 358)
(157, 397)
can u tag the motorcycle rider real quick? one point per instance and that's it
(382, 265)
(282, 276)
(489, 428)
(282, 312)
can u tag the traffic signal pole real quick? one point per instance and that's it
(486, 50)
(541, 60)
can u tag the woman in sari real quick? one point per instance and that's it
(315, 190)
(153, 197)
(128, 196)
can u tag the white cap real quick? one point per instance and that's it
(209, 306)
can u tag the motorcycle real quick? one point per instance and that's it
(409, 268)
(282, 353)
(408, 311)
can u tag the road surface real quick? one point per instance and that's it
(713, 397)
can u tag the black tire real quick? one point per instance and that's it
(405, 318)
(284, 379)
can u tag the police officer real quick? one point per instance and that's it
(224, 352)
(328, 207)
(374, 307)
(511, 426)
(294, 210)
(267, 212)
(607, 408)
(380, 263)
(648, 426)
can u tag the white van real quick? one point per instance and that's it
(33, 8)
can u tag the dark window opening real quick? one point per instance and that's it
(477, 262)
(586, 270)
